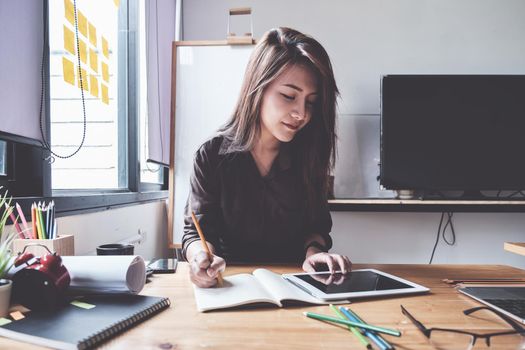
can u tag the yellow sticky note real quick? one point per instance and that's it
(93, 84)
(105, 71)
(82, 24)
(82, 304)
(93, 60)
(105, 47)
(69, 11)
(117, 2)
(68, 68)
(16, 315)
(69, 41)
(85, 77)
(104, 90)
(92, 34)
(4, 321)
(82, 48)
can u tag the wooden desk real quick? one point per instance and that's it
(183, 327)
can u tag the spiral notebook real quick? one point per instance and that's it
(73, 327)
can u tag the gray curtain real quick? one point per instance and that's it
(21, 39)
(160, 33)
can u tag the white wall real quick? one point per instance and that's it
(468, 36)
(410, 237)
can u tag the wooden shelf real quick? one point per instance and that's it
(518, 248)
(426, 205)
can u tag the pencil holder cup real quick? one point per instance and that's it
(62, 245)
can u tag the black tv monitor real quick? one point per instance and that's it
(453, 132)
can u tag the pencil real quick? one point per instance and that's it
(204, 245)
(376, 338)
(393, 332)
(23, 219)
(354, 330)
(41, 222)
(13, 218)
(33, 222)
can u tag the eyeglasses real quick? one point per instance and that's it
(453, 339)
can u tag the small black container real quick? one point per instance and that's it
(115, 249)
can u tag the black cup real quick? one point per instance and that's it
(115, 249)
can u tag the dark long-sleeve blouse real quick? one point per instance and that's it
(247, 217)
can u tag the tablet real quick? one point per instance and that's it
(355, 284)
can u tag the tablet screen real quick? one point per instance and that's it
(355, 281)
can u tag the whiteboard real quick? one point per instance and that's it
(208, 82)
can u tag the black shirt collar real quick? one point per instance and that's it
(283, 158)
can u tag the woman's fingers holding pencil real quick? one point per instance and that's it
(203, 272)
(217, 266)
(198, 270)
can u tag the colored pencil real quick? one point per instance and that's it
(27, 234)
(40, 222)
(376, 338)
(320, 317)
(12, 216)
(48, 222)
(33, 222)
(204, 245)
(354, 330)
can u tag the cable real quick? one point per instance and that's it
(449, 222)
(437, 238)
(442, 233)
(44, 142)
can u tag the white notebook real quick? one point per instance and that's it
(261, 286)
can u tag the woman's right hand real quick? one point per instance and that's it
(203, 271)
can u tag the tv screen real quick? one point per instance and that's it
(453, 132)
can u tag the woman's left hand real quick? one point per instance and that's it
(334, 262)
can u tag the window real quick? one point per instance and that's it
(97, 40)
(106, 170)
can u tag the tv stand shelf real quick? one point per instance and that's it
(426, 205)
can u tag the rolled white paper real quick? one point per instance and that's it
(106, 273)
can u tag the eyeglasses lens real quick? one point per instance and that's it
(458, 341)
(451, 341)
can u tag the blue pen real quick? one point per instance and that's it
(374, 337)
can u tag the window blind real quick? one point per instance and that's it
(21, 25)
(161, 23)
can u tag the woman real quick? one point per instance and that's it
(259, 188)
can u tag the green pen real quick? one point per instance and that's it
(393, 332)
(354, 330)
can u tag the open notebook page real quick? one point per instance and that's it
(282, 289)
(236, 290)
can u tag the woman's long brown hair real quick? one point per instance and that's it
(314, 146)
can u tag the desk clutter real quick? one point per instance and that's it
(57, 294)
(41, 232)
(60, 300)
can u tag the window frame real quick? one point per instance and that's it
(73, 202)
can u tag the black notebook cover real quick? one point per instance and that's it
(72, 327)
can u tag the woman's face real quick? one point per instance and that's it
(287, 104)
